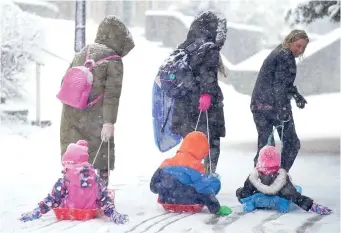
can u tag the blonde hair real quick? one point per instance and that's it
(222, 69)
(293, 36)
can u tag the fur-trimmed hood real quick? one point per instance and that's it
(279, 182)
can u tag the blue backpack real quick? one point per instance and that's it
(175, 76)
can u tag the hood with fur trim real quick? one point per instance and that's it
(272, 189)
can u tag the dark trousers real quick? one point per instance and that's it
(104, 175)
(214, 152)
(265, 120)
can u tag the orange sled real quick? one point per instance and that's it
(75, 214)
(180, 208)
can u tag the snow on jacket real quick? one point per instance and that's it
(208, 29)
(113, 38)
(275, 80)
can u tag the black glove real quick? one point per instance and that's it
(283, 114)
(299, 99)
(239, 194)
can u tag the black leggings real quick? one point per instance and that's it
(215, 152)
(104, 175)
(265, 120)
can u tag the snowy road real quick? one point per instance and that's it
(26, 183)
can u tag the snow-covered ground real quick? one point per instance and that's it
(31, 160)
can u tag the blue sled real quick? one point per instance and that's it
(162, 109)
(260, 200)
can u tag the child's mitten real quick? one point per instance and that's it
(320, 209)
(204, 102)
(119, 218)
(224, 211)
(30, 216)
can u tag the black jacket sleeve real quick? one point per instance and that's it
(246, 191)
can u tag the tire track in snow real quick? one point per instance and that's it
(215, 219)
(149, 221)
(260, 227)
(308, 224)
(55, 227)
(171, 222)
(161, 220)
(43, 226)
(219, 227)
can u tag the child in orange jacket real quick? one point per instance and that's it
(182, 180)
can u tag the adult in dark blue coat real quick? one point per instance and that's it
(207, 35)
(274, 88)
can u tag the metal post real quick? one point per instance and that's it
(80, 23)
(37, 123)
(127, 12)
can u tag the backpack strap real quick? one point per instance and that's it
(112, 57)
(95, 101)
(193, 46)
(101, 60)
(91, 64)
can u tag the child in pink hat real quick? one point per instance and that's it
(268, 178)
(80, 188)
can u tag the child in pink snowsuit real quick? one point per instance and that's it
(80, 188)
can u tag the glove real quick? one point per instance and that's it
(320, 209)
(119, 218)
(239, 195)
(300, 101)
(224, 211)
(283, 114)
(30, 216)
(107, 131)
(204, 102)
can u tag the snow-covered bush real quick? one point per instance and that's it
(307, 12)
(21, 39)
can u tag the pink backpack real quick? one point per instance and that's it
(83, 188)
(77, 84)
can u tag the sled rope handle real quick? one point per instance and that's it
(208, 137)
(109, 160)
(108, 157)
(282, 133)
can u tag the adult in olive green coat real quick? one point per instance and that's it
(96, 123)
